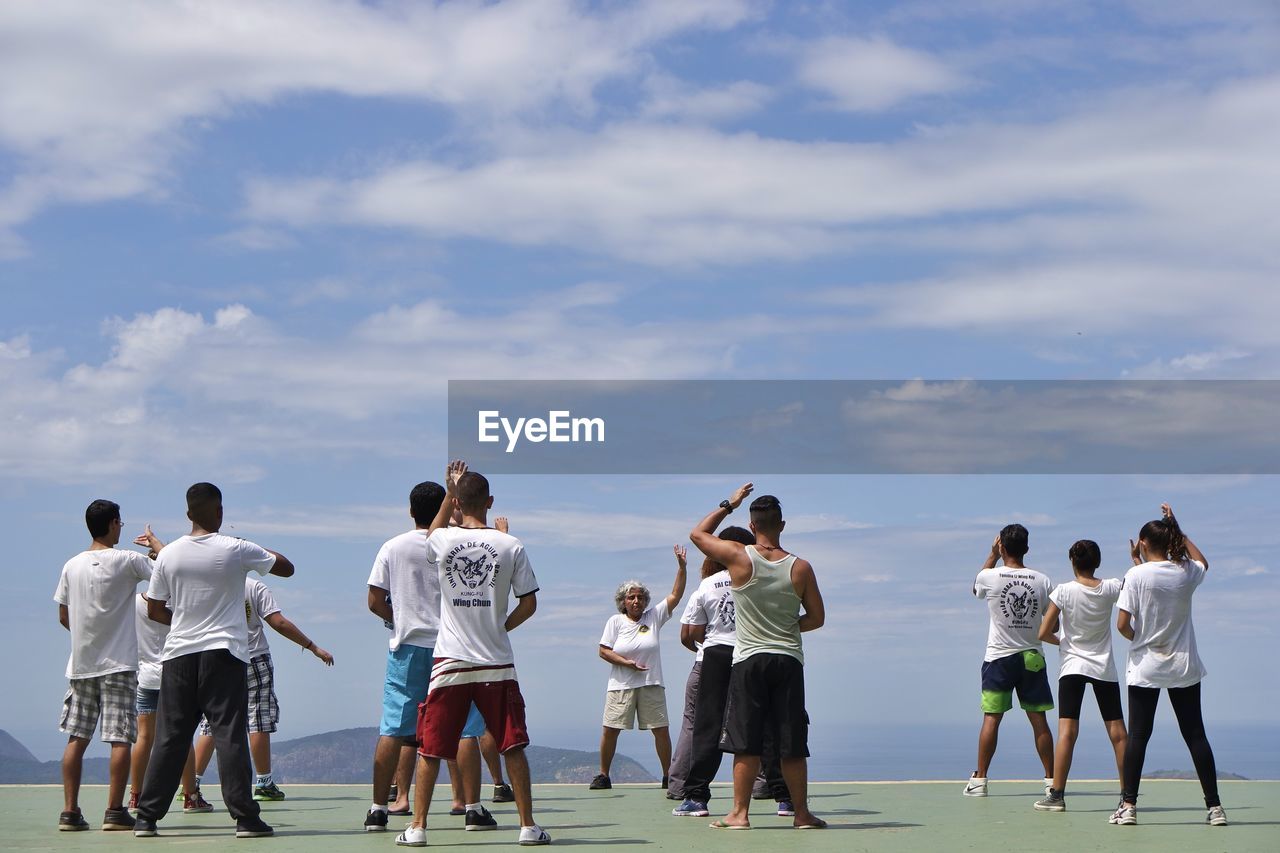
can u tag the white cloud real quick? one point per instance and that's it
(870, 74)
(675, 99)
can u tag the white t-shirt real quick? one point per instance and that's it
(201, 579)
(478, 570)
(1016, 599)
(151, 636)
(637, 641)
(712, 605)
(98, 589)
(401, 568)
(1085, 628)
(1163, 651)
(259, 603)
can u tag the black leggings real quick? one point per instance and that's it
(1142, 715)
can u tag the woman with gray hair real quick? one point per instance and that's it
(630, 645)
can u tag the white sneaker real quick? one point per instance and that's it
(976, 786)
(1124, 815)
(1216, 817)
(413, 836)
(532, 835)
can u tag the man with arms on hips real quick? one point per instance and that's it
(1016, 597)
(404, 591)
(776, 598)
(264, 710)
(479, 568)
(198, 589)
(95, 603)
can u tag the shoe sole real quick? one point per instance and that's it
(691, 814)
(145, 833)
(538, 843)
(375, 829)
(69, 828)
(117, 827)
(1041, 808)
(400, 842)
(480, 828)
(975, 793)
(244, 833)
(209, 810)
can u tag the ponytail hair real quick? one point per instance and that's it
(1165, 536)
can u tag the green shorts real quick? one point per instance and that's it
(1022, 671)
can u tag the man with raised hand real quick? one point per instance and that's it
(479, 569)
(95, 603)
(776, 598)
(197, 588)
(1016, 597)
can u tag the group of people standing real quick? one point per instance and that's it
(1153, 603)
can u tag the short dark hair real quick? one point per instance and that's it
(425, 500)
(473, 491)
(1085, 555)
(202, 500)
(1014, 540)
(738, 534)
(766, 512)
(99, 515)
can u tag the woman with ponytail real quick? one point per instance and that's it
(1155, 616)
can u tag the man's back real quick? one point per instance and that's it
(767, 609)
(97, 587)
(402, 569)
(1016, 601)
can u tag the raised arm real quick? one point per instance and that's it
(731, 555)
(815, 611)
(452, 472)
(1049, 625)
(147, 539)
(677, 587)
(993, 556)
(1192, 551)
(286, 628)
(282, 567)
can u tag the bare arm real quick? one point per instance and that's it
(378, 605)
(150, 541)
(287, 629)
(1124, 624)
(613, 657)
(806, 583)
(993, 556)
(677, 587)
(1049, 625)
(525, 607)
(1192, 551)
(452, 472)
(731, 555)
(691, 636)
(281, 568)
(158, 611)
(64, 616)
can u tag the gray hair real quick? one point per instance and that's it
(626, 587)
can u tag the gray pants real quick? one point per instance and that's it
(680, 759)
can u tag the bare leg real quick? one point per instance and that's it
(469, 769)
(142, 750)
(796, 772)
(988, 737)
(428, 772)
(385, 757)
(745, 768)
(489, 751)
(662, 743)
(406, 769)
(260, 749)
(117, 774)
(188, 773)
(72, 764)
(1044, 740)
(608, 746)
(518, 768)
(1068, 731)
(455, 784)
(204, 753)
(1116, 731)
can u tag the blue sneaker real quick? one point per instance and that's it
(691, 808)
(786, 809)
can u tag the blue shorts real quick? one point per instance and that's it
(405, 688)
(147, 700)
(1021, 671)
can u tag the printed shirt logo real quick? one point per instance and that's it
(726, 613)
(1019, 604)
(471, 569)
(643, 629)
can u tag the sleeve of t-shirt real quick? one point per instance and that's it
(693, 613)
(1197, 567)
(264, 603)
(981, 584)
(522, 580)
(1128, 594)
(1112, 587)
(141, 567)
(255, 558)
(434, 543)
(159, 588)
(380, 575)
(610, 636)
(661, 613)
(1056, 596)
(62, 593)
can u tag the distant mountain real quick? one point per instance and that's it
(1191, 774)
(339, 757)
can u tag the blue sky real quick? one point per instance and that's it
(249, 243)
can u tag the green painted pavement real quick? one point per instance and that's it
(880, 816)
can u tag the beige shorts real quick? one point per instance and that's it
(649, 703)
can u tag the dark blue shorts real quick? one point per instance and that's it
(1021, 671)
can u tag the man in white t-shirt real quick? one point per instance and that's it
(264, 709)
(635, 694)
(197, 588)
(1016, 597)
(479, 568)
(95, 603)
(1078, 621)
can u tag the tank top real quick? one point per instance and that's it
(767, 610)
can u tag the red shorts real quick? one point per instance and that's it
(443, 716)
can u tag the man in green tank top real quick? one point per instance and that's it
(776, 598)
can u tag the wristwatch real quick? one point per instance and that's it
(726, 505)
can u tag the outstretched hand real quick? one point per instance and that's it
(148, 540)
(322, 654)
(452, 473)
(501, 524)
(740, 495)
(681, 553)
(1135, 552)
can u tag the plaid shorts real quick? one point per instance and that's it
(110, 696)
(264, 711)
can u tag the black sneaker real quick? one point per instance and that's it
(503, 794)
(480, 820)
(144, 827)
(600, 783)
(253, 827)
(72, 822)
(118, 820)
(375, 821)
